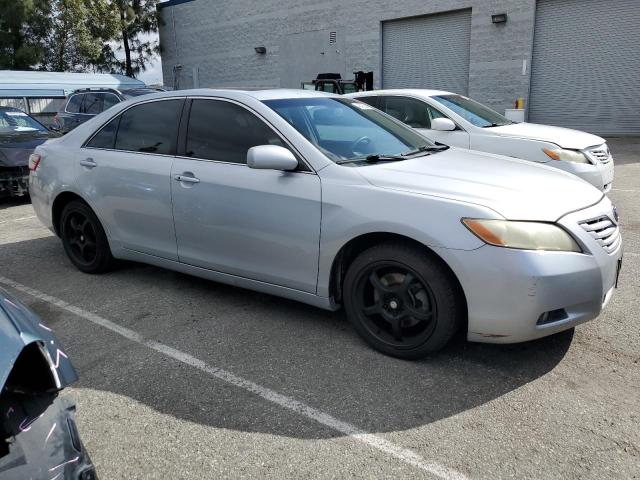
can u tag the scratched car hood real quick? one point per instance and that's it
(20, 327)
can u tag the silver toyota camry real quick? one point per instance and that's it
(331, 202)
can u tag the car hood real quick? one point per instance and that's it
(19, 327)
(15, 149)
(516, 189)
(563, 137)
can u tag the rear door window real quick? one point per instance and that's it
(74, 104)
(150, 127)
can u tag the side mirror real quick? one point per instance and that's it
(271, 157)
(442, 124)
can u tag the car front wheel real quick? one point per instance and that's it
(402, 301)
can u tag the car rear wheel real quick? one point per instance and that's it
(84, 239)
(402, 301)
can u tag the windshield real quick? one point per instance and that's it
(472, 111)
(15, 121)
(346, 130)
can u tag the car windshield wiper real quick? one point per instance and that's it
(373, 159)
(427, 149)
(499, 124)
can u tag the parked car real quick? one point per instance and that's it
(327, 200)
(86, 103)
(39, 438)
(19, 136)
(462, 122)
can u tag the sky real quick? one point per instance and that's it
(153, 75)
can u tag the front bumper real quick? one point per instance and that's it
(14, 181)
(519, 295)
(600, 175)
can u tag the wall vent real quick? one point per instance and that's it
(332, 37)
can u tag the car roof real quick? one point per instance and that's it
(10, 109)
(416, 92)
(267, 94)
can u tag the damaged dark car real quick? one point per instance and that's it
(38, 434)
(19, 136)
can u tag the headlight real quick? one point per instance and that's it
(566, 155)
(523, 235)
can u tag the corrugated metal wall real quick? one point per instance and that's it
(427, 52)
(586, 65)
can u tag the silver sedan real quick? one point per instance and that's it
(328, 201)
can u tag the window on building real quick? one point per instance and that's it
(150, 127)
(224, 131)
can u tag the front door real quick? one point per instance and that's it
(126, 171)
(258, 224)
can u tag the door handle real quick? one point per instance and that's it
(88, 162)
(186, 179)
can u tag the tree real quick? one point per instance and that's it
(136, 20)
(23, 29)
(79, 29)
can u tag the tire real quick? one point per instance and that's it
(84, 239)
(402, 301)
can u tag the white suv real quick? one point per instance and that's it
(462, 122)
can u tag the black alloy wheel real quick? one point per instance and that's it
(84, 239)
(396, 306)
(402, 300)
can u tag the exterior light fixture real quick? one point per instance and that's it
(499, 18)
(261, 50)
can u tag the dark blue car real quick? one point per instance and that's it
(19, 136)
(38, 434)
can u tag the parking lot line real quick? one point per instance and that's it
(375, 441)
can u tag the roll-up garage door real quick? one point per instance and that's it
(586, 65)
(427, 52)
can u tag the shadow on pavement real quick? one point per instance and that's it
(9, 202)
(299, 351)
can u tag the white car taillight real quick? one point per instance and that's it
(34, 161)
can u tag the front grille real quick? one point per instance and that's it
(600, 153)
(604, 231)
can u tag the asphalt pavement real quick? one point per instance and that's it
(186, 378)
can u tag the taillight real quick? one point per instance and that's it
(34, 161)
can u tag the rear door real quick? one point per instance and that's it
(258, 224)
(125, 172)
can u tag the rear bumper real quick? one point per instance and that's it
(520, 295)
(14, 181)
